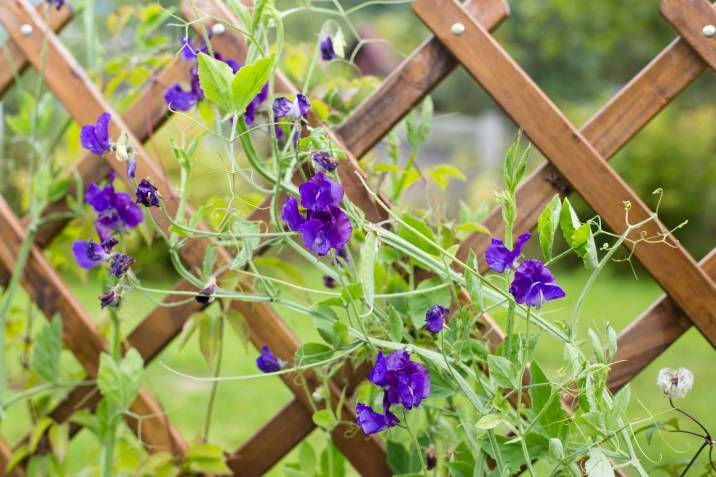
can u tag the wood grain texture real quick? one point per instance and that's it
(409, 83)
(651, 334)
(13, 61)
(80, 335)
(669, 264)
(688, 17)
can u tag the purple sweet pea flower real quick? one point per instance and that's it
(283, 107)
(499, 257)
(319, 194)
(57, 3)
(120, 264)
(325, 161)
(115, 210)
(405, 382)
(267, 361)
(90, 254)
(96, 138)
(147, 194)
(206, 294)
(534, 284)
(109, 298)
(321, 231)
(435, 318)
(250, 114)
(373, 422)
(326, 47)
(179, 100)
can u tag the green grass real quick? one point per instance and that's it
(243, 406)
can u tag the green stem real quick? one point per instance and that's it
(215, 384)
(414, 439)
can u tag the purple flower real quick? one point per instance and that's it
(325, 161)
(321, 231)
(180, 100)
(120, 264)
(189, 52)
(319, 194)
(115, 210)
(405, 382)
(267, 361)
(109, 298)
(283, 107)
(534, 284)
(206, 294)
(499, 257)
(329, 281)
(250, 114)
(147, 194)
(90, 254)
(96, 138)
(58, 3)
(435, 318)
(373, 422)
(326, 47)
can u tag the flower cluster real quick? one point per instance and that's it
(325, 226)
(533, 283)
(676, 383)
(179, 99)
(404, 382)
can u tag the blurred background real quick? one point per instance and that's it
(579, 53)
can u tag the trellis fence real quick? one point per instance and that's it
(577, 162)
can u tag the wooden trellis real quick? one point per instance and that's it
(577, 161)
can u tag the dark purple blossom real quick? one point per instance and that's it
(326, 47)
(325, 161)
(96, 138)
(499, 257)
(57, 3)
(283, 107)
(120, 264)
(320, 193)
(109, 298)
(115, 210)
(90, 254)
(404, 381)
(250, 114)
(147, 194)
(179, 100)
(329, 281)
(206, 294)
(322, 230)
(373, 422)
(534, 284)
(267, 361)
(435, 318)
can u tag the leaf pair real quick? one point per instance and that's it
(119, 382)
(578, 236)
(233, 92)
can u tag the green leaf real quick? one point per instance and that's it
(237, 321)
(209, 335)
(119, 384)
(598, 464)
(38, 431)
(368, 250)
(424, 236)
(419, 127)
(396, 328)
(502, 371)
(307, 458)
(333, 464)
(442, 173)
(207, 458)
(578, 236)
(547, 225)
(46, 350)
(247, 83)
(324, 419)
(399, 459)
(556, 449)
(313, 352)
(216, 79)
(542, 394)
(489, 421)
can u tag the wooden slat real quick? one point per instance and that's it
(52, 296)
(409, 83)
(273, 441)
(5, 457)
(573, 156)
(688, 17)
(651, 334)
(14, 62)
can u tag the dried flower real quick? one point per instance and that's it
(120, 264)
(435, 318)
(499, 257)
(676, 383)
(534, 284)
(325, 161)
(329, 281)
(109, 298)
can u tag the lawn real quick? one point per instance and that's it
(243, 406)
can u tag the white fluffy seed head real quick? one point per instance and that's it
(676, 383)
